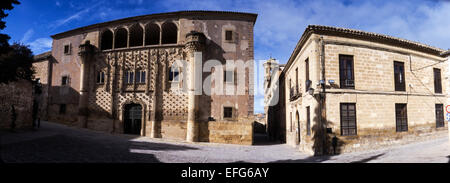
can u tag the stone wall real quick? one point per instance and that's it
(227, 132)
(19, 94)
(374, 95)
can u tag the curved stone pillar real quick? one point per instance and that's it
(86, 54)
(195, 42)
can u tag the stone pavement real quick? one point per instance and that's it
(59, 143)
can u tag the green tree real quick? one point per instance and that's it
(15, 60)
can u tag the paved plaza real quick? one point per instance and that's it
(59, 143)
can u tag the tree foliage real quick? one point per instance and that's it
(15, 60)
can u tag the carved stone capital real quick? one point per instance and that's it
(86, 52)
(195, 41)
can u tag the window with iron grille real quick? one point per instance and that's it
(140, 76)
(307, 81)
(401, 118)
(437, 81)
(308, 121)
(346, 74)
(399, 76)
(439, 115)
(129, 77)
(100, 77)
(227, 112)
(348, 119)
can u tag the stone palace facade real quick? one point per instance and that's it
(123, 76)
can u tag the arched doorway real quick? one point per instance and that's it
(132, 119)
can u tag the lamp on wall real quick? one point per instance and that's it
(311, 91)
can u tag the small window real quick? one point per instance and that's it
(346, 76)
(67, 49)
(140, 77)
(100, 77)
(227, 112)
(437, 81)
(65, 81)
(439, 115)
(62, 108)
(399, 76)
(129, 77)
(308, 121)
(228, 76)
(229, 35)
(401, 118)
(174, 73)
(348, 119)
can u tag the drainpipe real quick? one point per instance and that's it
(322, 95)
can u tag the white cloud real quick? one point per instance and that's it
(41, 45)
(58, 3)
(27, 36)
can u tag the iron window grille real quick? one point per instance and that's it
(401, 117)
(439, 115)
(346, 71)
(348, 119)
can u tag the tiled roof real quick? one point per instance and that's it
(42, 56)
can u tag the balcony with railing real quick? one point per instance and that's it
(294, 93)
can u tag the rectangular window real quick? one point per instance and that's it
(67, 49)
(174, 74)
(129, 77)
(229, 35)
(348, 119)
(227, 112)
(346, 74)
(307, 81)
(401, 118)
(437, 81)
(101, 77)
(399, 76)
(308, 121)
(140, 77)
(228, 76)
(62, 108)
(65, 81)
(439, 115)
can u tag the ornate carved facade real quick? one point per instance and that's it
(129, 73)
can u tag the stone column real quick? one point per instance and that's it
(195, 42)
(86, 54)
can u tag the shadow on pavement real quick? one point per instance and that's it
(67, 149)
(368, 159)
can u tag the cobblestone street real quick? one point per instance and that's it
(58, 143)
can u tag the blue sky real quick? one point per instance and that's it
(279, 25)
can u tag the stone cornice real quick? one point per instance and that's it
(178, 14)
